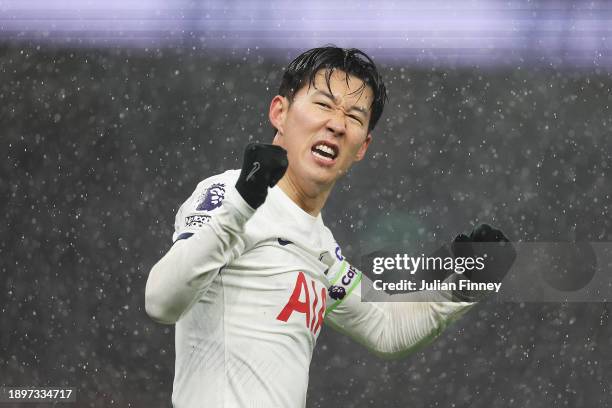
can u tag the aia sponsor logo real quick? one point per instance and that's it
(308, 301)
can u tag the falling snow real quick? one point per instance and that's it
(101, 147)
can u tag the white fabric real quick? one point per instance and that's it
(240, 340)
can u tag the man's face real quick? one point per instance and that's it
(323, 130)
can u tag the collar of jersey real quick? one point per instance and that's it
(295, 211)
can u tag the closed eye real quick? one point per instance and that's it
(323, 104)
(356, 118)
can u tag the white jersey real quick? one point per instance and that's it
(263, 294)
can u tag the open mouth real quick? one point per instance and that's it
(325, 151)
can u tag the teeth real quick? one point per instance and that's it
(321, 156)
(325, 149)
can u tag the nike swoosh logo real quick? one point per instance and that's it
(284, 242)
(254, 170)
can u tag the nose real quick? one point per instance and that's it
(336, 123)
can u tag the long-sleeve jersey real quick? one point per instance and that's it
(250, 292)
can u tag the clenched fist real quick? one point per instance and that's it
(263, 166)
(490, 244)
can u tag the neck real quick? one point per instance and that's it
(311, 201)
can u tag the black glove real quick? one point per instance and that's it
(493, 246)
(262, 167)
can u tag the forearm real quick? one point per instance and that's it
(183, 275)
(391, 328)
(412, 325)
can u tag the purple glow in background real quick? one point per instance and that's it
(421, 32)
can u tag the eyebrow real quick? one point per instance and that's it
(354, 107)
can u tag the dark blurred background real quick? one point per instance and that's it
(103, 143)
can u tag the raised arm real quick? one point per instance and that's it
(393, 329)
(389, 329)
(209, 232)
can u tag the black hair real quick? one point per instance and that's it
(303, 69)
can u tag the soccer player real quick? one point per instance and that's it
(253, 273)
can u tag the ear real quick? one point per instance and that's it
(364, 147)
(278, 112)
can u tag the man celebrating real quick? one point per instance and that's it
(253, 272)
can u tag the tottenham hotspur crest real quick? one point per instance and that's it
(212, 197)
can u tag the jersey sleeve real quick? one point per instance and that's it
(209, 233)
(390, 329)
(204, 204)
